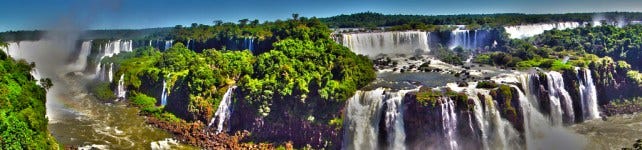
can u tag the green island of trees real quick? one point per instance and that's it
(304, 64)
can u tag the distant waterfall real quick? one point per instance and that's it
(224, 111)
(523, 31)
(109, 50)
(373, 44)
(121, 92)
(189, 44)
(111, 72)
(468, 39)
(165, 91)
(557, 94)
(168, 44)
(248, 43)
(81, 61)
(364, 113)
(588, 94)
(449, 122)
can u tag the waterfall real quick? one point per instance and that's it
(168, 44)
(249, 43)
(496, 132)
(109, 50)
(188, 43)
(81, 61)
(364, 113)
(524, 31)
(165, 92)
(121, 92)
(224, 111)
(557, 94)
(111, 72)
(361, 122)
(538, 131)
(394, 119)
(460, 38)
(449, 122)
(373, 44)
(588, 94)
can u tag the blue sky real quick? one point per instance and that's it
(134, 14)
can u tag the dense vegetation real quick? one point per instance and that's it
(305, 63)
(23, 124)
(370, 19)
(618, 43)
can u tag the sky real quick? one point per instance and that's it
(136, 14)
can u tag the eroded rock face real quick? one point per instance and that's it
(284, 123)
(425, 128)
(509, 105)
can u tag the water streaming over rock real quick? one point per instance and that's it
(363, 116)
(523, 31)
(223, 112)
(110, 73)
(561, 102)
(121, 91)
(398, 42)
(165, 91)
(449, 122)
(168, 44)
(588, 94)
(81, 62)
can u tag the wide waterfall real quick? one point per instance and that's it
(121, 92)
(364, 113)
(588, 94)
(523, 31)
(224, 111)
(398, 42)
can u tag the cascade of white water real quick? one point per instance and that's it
(373, 44)
(165, 91)
(81, 61)
(363, 115)
(362, 120)
(168, 44)
(449, 122)
(394, 118)
(523, 31)
(224, 111)
(538, 131)
(188, 43)
(121, 92)
(460, 38)
(496, 132)
(557, 94)
(110, 75)
(588, 95)
(249, 43)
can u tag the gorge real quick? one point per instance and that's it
(298, 83)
